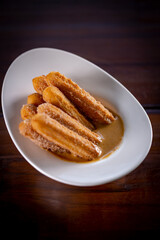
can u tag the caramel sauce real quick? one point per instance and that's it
(111, 134)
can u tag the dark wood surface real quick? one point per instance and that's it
(123, 38)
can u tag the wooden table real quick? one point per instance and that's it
(124, 40)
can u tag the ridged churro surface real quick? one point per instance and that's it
(35, 99)
(64, 137)
(26, 130)
(28, 111)
(39, 84)
(69, 122)
(80, 98)
(54, 96)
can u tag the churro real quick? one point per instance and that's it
(39, 84)
(60, 116)
(26, 130)
(35, 99)
(28, 111)
(69, 122)
(53, 131)
(80, 98)
(54, 96)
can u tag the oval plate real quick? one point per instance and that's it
(137, 138)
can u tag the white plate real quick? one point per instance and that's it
(138, 131)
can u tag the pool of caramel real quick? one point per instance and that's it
(112, 134)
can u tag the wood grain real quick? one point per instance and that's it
(122, 37)
(124, 41)
(128, 204)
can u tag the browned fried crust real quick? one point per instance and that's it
(80, 98)
(26, 130)
(39, 84)
(54, 96)
(53, 131)
(28, 111)
(35, 99)
(67, 121)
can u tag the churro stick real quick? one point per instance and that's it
(39, 84)
(54, 96)
(80, 98)
(53, 131)
(28, 111)
(35, 99)
(69, 122)
(26, 130)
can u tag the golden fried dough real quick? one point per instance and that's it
(39, 84)
(28, 111)
(35, 99)
(53, 131)
(54, 96)
(26, 130)
(69, 122)
(80, 98)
